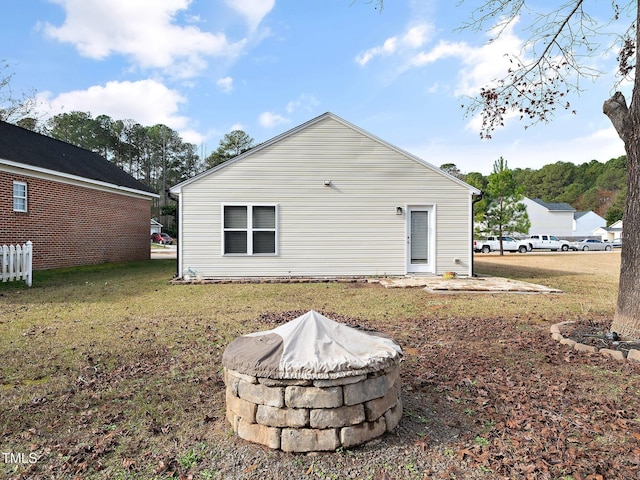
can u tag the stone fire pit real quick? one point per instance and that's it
(312, 385)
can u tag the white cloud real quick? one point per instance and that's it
(269, 119)
(480, 65)
(225, 84)
(252, 10)
(441, 51)
(304, 102)
(475, 155)
(475, 122)
(416, 36)
(483, 65)
(148, 102)
(143, 30)
(191, 136)
(598, 145)
(413, 38)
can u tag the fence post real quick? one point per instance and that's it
(12, 263)
(5, 263)
(28, 262)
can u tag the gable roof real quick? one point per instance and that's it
(557, 207)
(23, 148)
(608, 229)
(328, 115)
(578, 215)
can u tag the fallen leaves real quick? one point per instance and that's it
(541, 419)
(503, 403)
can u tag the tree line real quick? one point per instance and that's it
(155, 155)
(590, 186)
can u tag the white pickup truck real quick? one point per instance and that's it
(492, 244)
(547, 242)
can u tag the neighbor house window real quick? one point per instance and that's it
(19, 197)
(249, 229)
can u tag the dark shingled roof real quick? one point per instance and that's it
(29, 148)
(555, 206)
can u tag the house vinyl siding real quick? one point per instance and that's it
(587, 223)
(545, 221)
(349, 228)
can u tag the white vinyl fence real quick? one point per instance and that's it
(15, 263)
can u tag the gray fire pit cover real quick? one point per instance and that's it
(311, 347)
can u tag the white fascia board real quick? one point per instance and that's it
(38, 172)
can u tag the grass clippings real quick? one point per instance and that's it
(111, 372)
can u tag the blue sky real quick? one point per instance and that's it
(206, 67)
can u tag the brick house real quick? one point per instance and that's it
(75, 206)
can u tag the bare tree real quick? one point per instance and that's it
(19, 109)
(553, 63)
(562, 42)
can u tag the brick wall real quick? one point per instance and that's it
(71, 225)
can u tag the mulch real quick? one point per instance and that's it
(598, 334)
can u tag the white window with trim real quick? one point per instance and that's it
(249, 229)
(19, 196)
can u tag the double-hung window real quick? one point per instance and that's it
(249, 229)
(19, 197)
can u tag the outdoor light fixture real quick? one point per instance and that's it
(327, 183)
(398, 210)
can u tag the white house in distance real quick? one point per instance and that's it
(549, 218)
(585, 223)
(156, 227)
(610, 233)
(324, 199)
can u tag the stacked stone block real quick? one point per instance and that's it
(313, 415)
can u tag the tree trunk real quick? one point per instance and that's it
(626, 321)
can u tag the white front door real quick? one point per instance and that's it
(420, 240)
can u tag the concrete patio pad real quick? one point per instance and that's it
(467, 285)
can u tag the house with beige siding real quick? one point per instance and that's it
(324, 199)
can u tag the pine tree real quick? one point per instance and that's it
(505, 213)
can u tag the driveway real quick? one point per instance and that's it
(166, 251)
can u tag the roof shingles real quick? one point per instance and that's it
(555, 206)
(23, 146)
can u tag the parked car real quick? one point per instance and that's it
(547, 242)
(616, 243)
(492, 244)
(157, 238)
(167, 239)
(590, 244)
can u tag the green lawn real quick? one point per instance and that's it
(112, 372)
